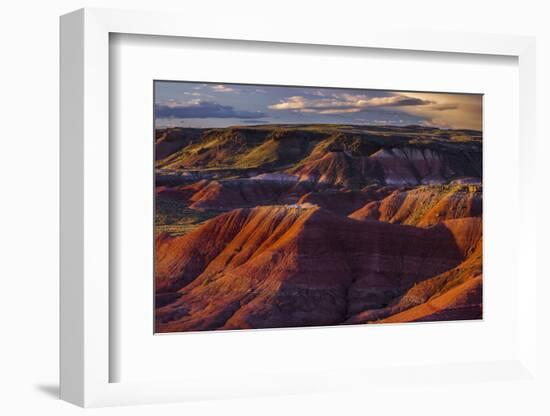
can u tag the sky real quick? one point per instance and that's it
(193, 104)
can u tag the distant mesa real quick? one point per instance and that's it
(351, 156)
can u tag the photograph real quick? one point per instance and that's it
(301, 206)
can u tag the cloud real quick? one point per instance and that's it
(438, 109)
(398, 101)
(345, 103)
(223, 88)
(202, 109)
(456, 111)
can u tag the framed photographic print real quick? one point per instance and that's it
(281, 213)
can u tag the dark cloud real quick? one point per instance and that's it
(408, 101)
(445, 107)
(203, 109)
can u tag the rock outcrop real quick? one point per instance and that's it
(296, 266)
(424, 206)
(306, 225)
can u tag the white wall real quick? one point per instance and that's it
(29, 184)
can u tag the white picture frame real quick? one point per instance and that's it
(85, 212)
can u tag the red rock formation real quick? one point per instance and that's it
(241, 193)
(283, 253)
(337, 168)
(181, 193)
(397, 169)
(454, 294)
(424, 206)
(281, 266)
(454, 205)
(412, 166)
(460, 302)
(344, 201)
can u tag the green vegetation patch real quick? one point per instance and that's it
(175, 218)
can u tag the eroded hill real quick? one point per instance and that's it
(299, 266)
(349, 156)
(300, 225)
